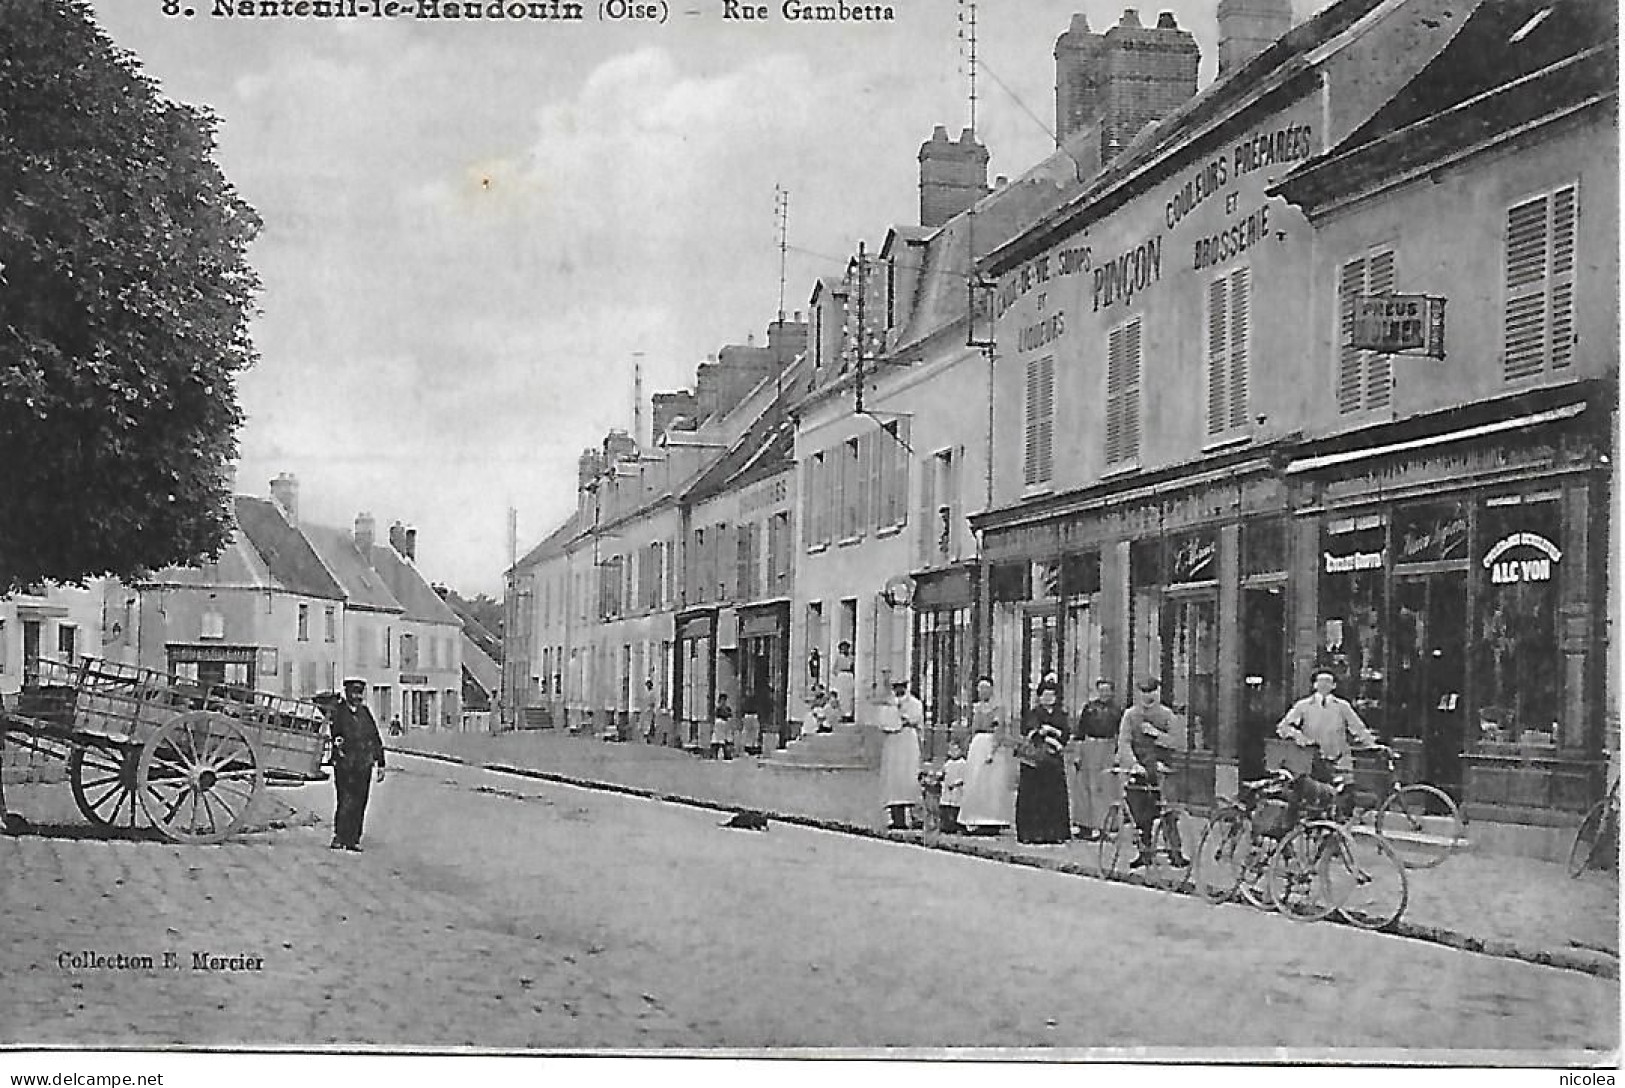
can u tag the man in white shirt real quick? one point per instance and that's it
(1328, 723)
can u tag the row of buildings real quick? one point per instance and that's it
(1316, 367)
(289, 607)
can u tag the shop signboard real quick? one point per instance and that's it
(1399, 324)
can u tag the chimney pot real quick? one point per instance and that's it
(411, 540)
(1079, 24)
(1166, 21)
(1131, 17)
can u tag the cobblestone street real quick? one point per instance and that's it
(1512, 904)
(499, 912)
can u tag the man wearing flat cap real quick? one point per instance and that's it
(358, 755)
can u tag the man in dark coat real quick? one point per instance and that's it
(358, 755)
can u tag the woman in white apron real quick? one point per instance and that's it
(989, 804)
(900, 754)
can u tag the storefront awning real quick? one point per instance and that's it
(1344, 457)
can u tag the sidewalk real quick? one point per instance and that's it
(1506, 906)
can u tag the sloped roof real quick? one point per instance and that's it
(234, 569)
(1513, 63)
(293, 564)
(765, 449)
(553, 543)
(407, 586)
(477, 664)
(477, 632)
(362, 585)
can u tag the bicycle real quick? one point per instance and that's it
(1118, 832)
(1596, 842)
(1322, 867)
(1236, 843)
(1422, 823)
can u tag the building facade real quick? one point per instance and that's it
(1210, 487)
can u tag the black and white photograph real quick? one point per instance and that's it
(976, 534)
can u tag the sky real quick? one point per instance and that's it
(472, 231)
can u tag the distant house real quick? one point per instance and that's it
(266, 614)
(428, 645)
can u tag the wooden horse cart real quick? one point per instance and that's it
(143, 747)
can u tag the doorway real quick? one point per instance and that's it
(1263, 673)
(1430, 626)
(1041, 653)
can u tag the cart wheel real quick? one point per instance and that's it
(104, 785)
(198, 775)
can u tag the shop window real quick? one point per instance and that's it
(1350, 637)
(1123, 394)
(1229, 322)
(1365, 379)
(67, 643)
(1538, 319)
(1263, 547)
(943, 678)
(1520, 667)
(1040, 421)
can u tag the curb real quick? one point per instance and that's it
(1600, 967)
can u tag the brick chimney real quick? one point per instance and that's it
(1124, 79)
(1248, 27)
(285, 494)
(668, 408)
(953, 176)
(397, 538)
(589, 466)
(411, 541)
(366, 532)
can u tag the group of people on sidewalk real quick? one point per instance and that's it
(1049, 778)
(1056, 780)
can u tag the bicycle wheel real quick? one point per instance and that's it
(1586, 838)
(1297, 877)
(1367, 876)
(1221, 855)
(1116, 838)
(1423, 824)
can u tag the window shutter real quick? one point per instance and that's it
(1240, 344)
(899, 484)
(925, 522)
(1131, 391)
(868, 446)
(1030, 455)
(1040, 420)
(1379, 369)
(809, 493)
(955, 501)
(1350, 369)
(1218, 356)
(1114, 396)
(1564, 225)
(1526, 291)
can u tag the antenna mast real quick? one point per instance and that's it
(781, 211)
(637, 398)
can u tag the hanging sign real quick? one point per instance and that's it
(1396, 324)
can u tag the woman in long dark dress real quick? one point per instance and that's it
(1041, 805)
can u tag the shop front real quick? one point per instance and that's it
(763, 669)
(694, 676)
(209, 664)
(944, 659)
(1460, 601)
(1183, 577)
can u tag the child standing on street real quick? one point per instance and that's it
(953, 787)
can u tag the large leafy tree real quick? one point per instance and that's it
(125, 295)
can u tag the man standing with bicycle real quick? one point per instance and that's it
(1146, 728)
(1327, 723)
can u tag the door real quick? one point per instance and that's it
(1430, 625)
(1041, 653)
(1263, 673)
(1190, 667)
(31, 638)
